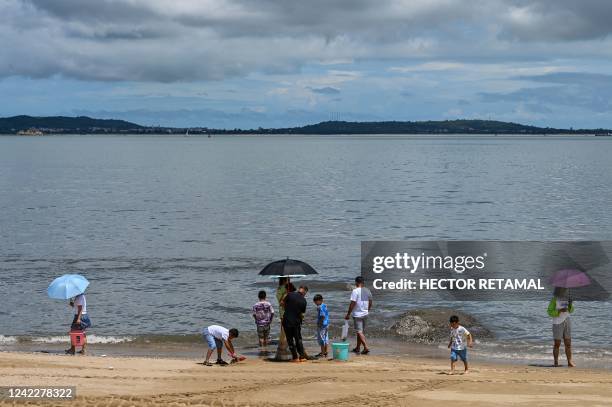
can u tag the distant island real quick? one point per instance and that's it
(30, 125)
(64, 124)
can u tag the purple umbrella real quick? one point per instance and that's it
(570, 278)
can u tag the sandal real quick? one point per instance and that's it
(355, 350)
(321, 355)
(365, 351)
(207, 364)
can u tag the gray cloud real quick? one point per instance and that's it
(327, 90)
(167, 41)
(588, 91)
(104, 11)
(558, 20)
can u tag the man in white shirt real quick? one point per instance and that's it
(216, 336)
(359, 308)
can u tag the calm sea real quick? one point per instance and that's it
(171, 231)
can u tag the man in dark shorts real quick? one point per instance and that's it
(295, 308)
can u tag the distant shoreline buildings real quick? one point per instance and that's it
(30, 132)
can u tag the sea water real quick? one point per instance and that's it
(172, 230)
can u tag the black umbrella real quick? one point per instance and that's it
(287, 268)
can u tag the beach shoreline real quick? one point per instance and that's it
(371, 380)
(193, 348)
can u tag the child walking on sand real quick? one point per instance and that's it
(322, 324)
(263, 313)
(216, 336)
(458, 337)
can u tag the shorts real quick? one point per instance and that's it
(458, 353)
(562, 331)
(322, 336)
(213, 343)
(263, 331)
(359, 323)
(85, 323)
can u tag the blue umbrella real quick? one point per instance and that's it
(67, 286)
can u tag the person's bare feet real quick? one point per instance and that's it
(570, 364)
(452, 372)
(465, 371)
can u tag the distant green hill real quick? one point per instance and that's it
(84, 125)
(69, 124)
(421, 127)
(424, 127)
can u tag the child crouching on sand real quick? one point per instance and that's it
(216, 336)
(458, 337)
(322, 324)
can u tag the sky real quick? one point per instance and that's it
(277, 63)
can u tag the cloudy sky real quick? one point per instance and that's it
(270, 63)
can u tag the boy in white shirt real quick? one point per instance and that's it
(216, 336)
(458, 337)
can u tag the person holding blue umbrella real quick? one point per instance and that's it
(72, 287)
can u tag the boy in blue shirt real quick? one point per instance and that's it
(322, 324)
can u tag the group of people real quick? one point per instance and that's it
(292, 305)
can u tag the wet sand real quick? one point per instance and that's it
(364, 380)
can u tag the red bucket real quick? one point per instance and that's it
(78, 338)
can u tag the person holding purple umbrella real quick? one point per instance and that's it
(561, 306)
(559, 309)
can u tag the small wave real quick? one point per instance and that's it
(9, 340)
(169, 339)
(90, 339)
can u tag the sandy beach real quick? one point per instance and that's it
(364, 380)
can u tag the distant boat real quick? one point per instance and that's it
(30, 132)
(603, 134)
